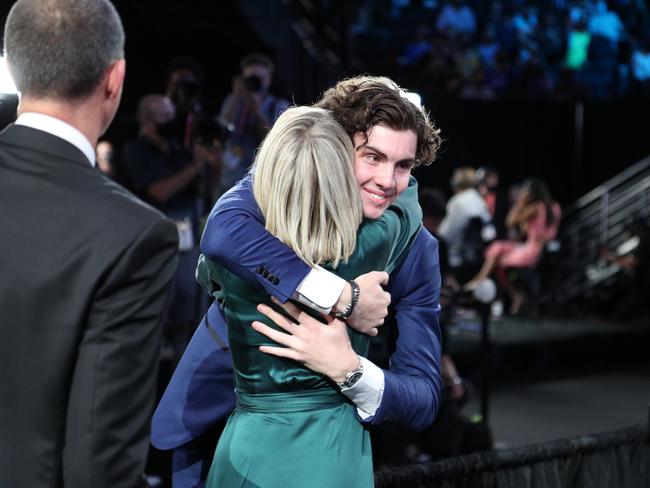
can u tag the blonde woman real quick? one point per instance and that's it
(293, 427)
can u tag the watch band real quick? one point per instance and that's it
(352, 377)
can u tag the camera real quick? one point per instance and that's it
(188, 88)
(253, 83)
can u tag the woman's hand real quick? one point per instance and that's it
(525, 197)
(322, 348)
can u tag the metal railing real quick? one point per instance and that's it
(599, 219)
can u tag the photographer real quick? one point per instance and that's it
(248, 112)
(184, 88)
(163, 173)
(207, 145)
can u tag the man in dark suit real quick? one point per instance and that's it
(85, 265)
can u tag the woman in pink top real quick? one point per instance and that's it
(535, 215)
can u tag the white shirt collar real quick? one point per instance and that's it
(60, 129)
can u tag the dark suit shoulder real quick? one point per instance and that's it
(120, 202)
(51, 173)
(420, 270)
(424, 244)
(125, 218)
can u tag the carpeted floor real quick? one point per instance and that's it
(525, 413)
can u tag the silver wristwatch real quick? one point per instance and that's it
(352, 377)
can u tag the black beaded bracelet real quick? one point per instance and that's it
(356, 291)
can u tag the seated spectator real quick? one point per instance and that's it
(550, 38)
(476, 87)
(577, 11)
(561, 50)
(416, 50)
(640, 66)
(466, 59)
(577, 46)
(525, 22)
(506, 33)
(499, 76)
(488, 48)
(606, 23)
(641, 63)
(371, 19)
(496, 201)
(456, 18)
(534, 215)
(464, 207)
(628, 296)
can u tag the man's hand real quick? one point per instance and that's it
(372, 308)
(238, 88)
(322, 348)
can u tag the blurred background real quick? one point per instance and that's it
(552, 92)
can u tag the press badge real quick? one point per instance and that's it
(185, 235)
(232, 156)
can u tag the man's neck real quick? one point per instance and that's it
(81, 115)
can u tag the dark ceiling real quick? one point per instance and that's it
(214, 33)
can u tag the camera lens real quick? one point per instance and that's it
(253, 83)
(189, 88)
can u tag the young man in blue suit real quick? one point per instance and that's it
(390, 137)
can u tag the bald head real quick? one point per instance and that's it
(155, 108)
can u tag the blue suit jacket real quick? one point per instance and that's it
(201, 393)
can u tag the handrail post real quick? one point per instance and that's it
(604, 218)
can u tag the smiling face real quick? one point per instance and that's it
(382, 165)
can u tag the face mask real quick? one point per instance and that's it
(253, 83)
(166, 130)
(187, 88)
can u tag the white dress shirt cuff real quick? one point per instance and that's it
(320, 290)
(368, 391)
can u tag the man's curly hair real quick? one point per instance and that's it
(362, 102)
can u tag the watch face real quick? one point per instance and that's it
(353, 379)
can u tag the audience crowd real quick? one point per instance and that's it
(560, 49)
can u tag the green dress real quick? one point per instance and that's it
(292, 427)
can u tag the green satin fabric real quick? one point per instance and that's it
(292, 427)
(324, 448)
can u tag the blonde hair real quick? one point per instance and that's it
(305, 186)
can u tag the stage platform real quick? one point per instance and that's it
(552, 378)
(532, 412)
(464, 334)
(548, 347)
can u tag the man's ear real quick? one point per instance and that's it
(115, 79)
